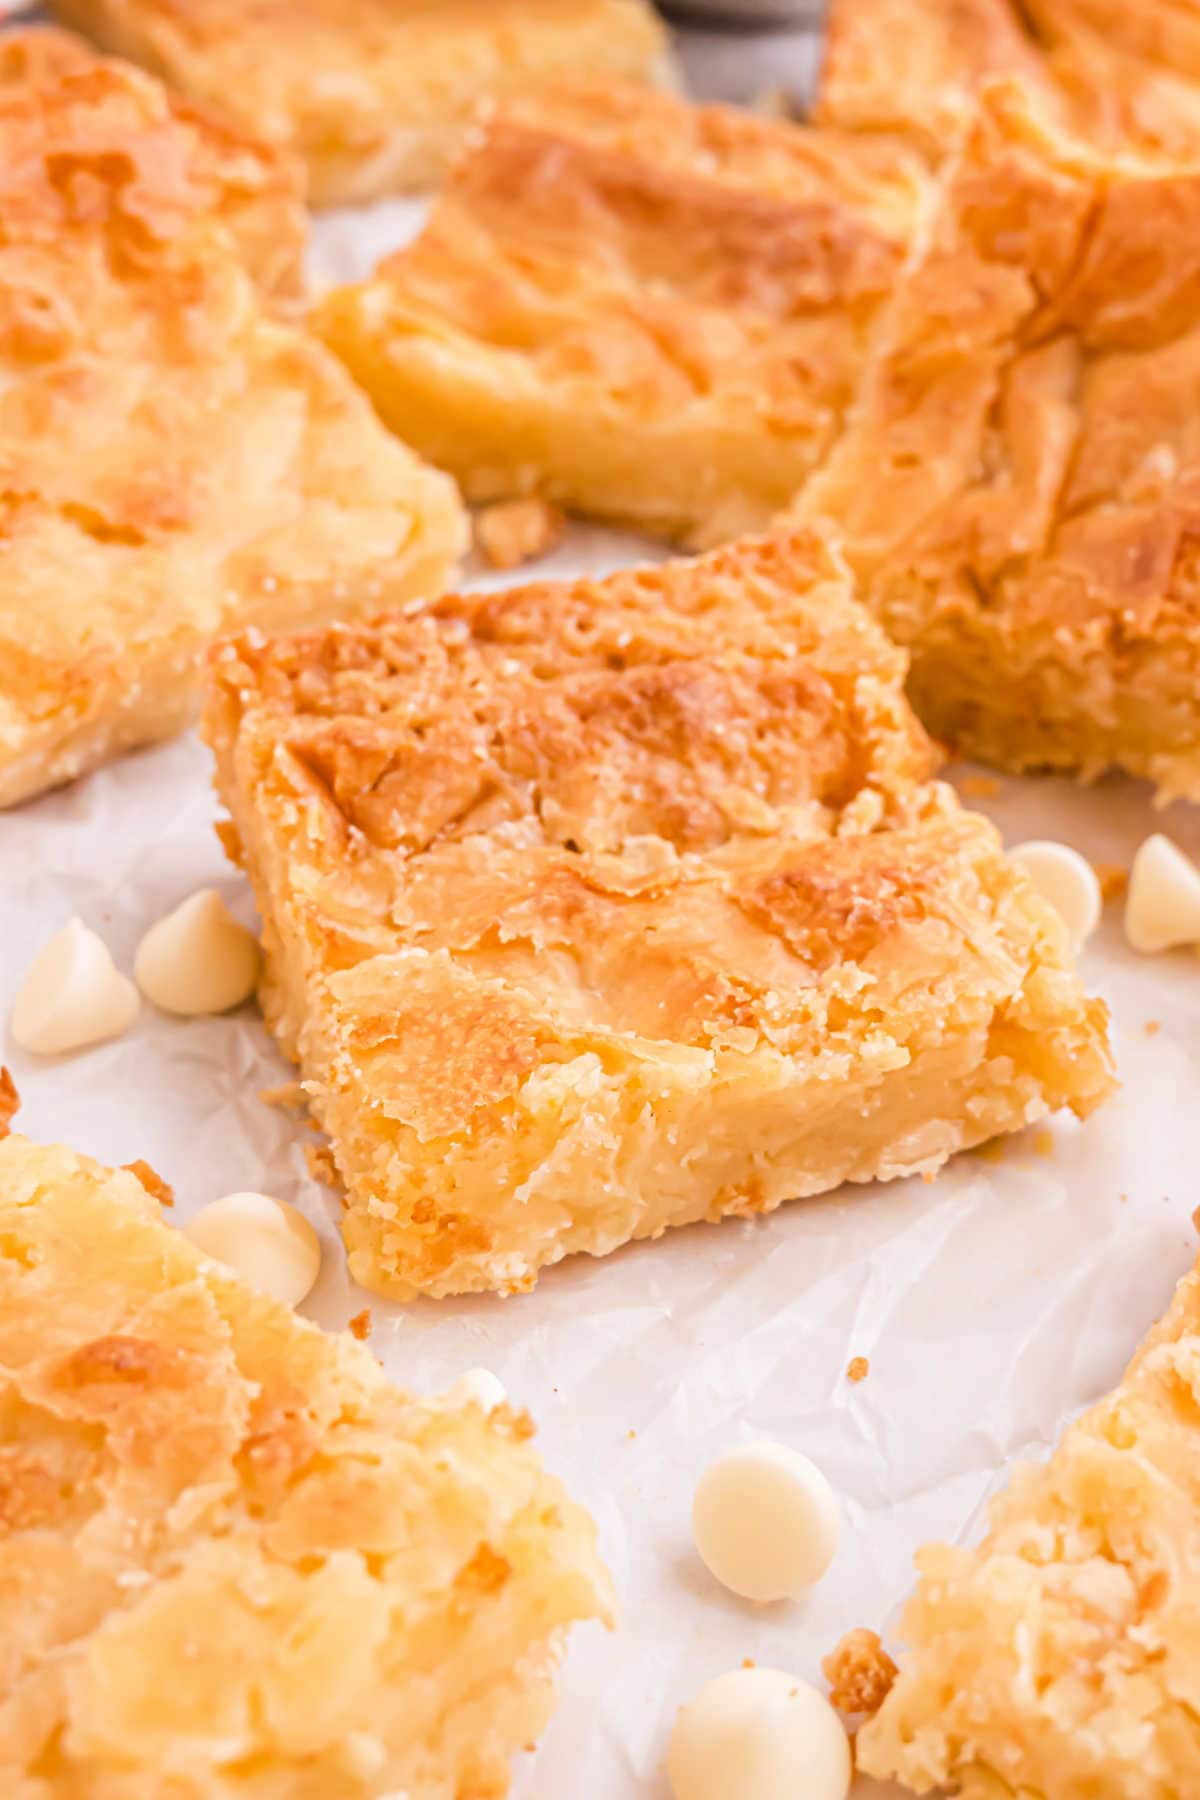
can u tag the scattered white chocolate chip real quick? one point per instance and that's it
(765, 1521)
(758, 1734)
(266, 1241)
(198, 959)
(73, 995)
(1067, 880)
(478, 1387)
(1162, 907)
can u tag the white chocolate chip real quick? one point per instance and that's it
(1067, 880)
(198, 959)
(1162, 907)
(266, 1241)
(478, 1387)
(73, 995)
(765, 1522)
(758, 1734)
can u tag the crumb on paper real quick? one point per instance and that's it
(1153, 1027)
(10, 1100)
(360, 1325)
(858, 1368)
(860, 1672)
(1195, 1216)
(321, 1166)
(1124, 1199)
(631, 1434)
(1113, 879)
(152, 1181)
(979, 787)
(289, 1095)
(748, 1662)
(1043, 1141)
(992, 1150)
(518, 531)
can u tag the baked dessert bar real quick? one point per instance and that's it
(374, 95)
(176, 460)
(1122, 76)
(254, 190)
(234, 1559)
(1057, 1660)
(1017, 489)
(596, 908)
(645, 311)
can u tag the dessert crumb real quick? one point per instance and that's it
(360, 1325)
(289, 1095)
(631, 1434)
(152, 1181)
(858, 1368)
(9, 1101)
(979, 787)
(748, 1662)
(321, 1166)
(1113, 879)
(230, 842)
(1153, 1027)
(860, 1672)
(518, 531)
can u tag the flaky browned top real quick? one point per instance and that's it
(332, 76)
(688, 701)
(1026, 446)
(1122, 75)
(656, 255)
(230, 1550)
(84, 139)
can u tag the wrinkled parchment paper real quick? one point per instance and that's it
(991, 1304)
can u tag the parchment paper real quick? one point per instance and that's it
(991, 1304)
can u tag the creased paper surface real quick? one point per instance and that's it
(990, 1304)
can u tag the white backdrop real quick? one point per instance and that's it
(991, 1304)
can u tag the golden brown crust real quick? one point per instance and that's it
(9, 1100)
(860, 1673)
(235, 1562)
(513, 532)
(647, 311)
(376, 98)
(633, 890)
(197, 165)
(174, 459)
(1057, 1659)
(1018, 489)
(1124, 77)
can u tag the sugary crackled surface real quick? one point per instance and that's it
(234, 1560)
(1018, 486)
(53, 85)
(1059, 1660)
(1123, 76)
(375, 96)
(648, 311)
(175, 460)
(597, 909)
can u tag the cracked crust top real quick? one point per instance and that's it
(65, 110)
(235, 1562)
(173, 458)
(1123, 76)
(1058, 1658)
(637, 308)
(1018, 487)
(374, 96)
